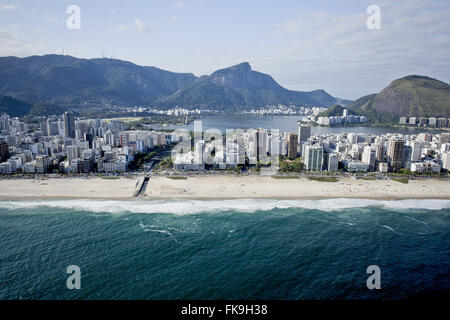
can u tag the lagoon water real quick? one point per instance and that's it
(232, 249)
(289, 124)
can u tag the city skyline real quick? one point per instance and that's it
(61, 144)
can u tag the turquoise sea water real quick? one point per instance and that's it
(233, 249)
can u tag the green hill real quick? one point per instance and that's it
(364, 107)
(18, 108)
(45, 109)
(414, 95)
(411, 96)
(336, 110)
(14, 107)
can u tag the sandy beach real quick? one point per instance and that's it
(223, 187)
(301, 188)
(73, 188)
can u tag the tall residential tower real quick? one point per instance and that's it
(69, 125)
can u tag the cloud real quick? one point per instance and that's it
(14, 44)
(330, 50)
(139, 24)
(122, 28)
(50, 18)
(8, 7)
(179, 4)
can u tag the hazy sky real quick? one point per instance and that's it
(304, 45)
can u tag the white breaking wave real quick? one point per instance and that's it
(181, 207)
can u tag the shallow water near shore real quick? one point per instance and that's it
(230, 249)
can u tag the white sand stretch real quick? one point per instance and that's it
(268, 187)
(92, 188)
(223, 187)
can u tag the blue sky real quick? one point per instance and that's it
(304, 45)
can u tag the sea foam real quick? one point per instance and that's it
(181, 207)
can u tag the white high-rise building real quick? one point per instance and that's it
(333, 162)
(109, 138)
(313, 157)
(73, 152)
(445, 147)
(252, 146)
(352, 138)
(369, 157)
(416, 151)
(198, 152)
(262, 145)
(446, 160)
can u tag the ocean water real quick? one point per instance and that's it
(232, 249)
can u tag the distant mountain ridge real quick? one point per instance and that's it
(239, 85)
(66, 80)
(74, 82)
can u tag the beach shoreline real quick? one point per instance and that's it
(222, 188)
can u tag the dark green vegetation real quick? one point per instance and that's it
(324, 179)
(400, 179)
(45, 109)
(371, 177)
(18, 108)
(285, 177)
(157, 119)
(287, 165)
(336, 110)
(177, 178)
(13, 107)
(142, 158)
(166, 163)
(75, 83)
(236, 170)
